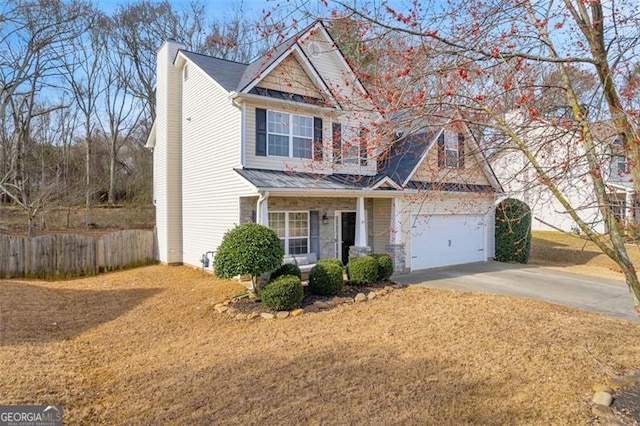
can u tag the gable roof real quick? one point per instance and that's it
(227, 73)
(405, 154)
(242, 78)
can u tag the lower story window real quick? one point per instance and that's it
(293, 230)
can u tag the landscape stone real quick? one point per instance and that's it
(221, 309)
(311, 308)
(602, 411)
(620, 382)
(330, 304)
(231, 311)
(337, 300)
(267, 315)
(321, 305)
(360, 297)
(240, 316)
(253, 315)
(348, 299)
(388, 288)
(602, 398)
(297, 312)
(372, 295)
(602, 388)
(282, 314)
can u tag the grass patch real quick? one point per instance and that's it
(144, 346)
(550, 248)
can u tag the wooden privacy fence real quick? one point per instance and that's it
(71, 255)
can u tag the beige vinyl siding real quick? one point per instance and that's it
(380, 235)
(443, 203)
(331, 68)
(166, 157)
(211, 149)
(430, 171)
(290, 77)
(254, 161)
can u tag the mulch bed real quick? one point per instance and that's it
(627, 403)
(247, 305)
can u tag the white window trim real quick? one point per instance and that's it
(287, 236)
(290, 135)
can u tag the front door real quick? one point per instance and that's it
(347, 234)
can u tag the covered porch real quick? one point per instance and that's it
(331, 225)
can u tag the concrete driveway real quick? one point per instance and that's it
(608, 297)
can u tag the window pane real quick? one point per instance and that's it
(298, 225)
(302, 126)
(277, 223)
(298, 246)
(278, 145)
(278, 122)
(302, 148)
(350, 146)
(451, 158)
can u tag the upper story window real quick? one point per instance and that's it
(451, 150)
(289, 135)
(281, 134)
(350, 145)
(622, 164)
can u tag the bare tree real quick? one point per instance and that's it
(485, 59)
(33, 39)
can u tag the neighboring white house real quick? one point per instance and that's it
(277, 141)
(560, 152)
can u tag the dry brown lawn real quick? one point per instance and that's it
(558, 250)
(144, 347)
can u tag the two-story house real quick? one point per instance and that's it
(558, 149)
(288, 141)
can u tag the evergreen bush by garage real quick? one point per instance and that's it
(385, 265)
(286, 269)
(513, 231)
(326, 279)
(333, 261)
(283, 293)
(362, 270)
(248, 249)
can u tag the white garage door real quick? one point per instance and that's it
(442, 240)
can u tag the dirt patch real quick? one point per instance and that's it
(144, 346)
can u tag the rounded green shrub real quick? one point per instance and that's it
(283, 294)
(248, 249)
(385, 265)
(513, 231)
(362, 270)
(326, 279)
(286, 269)
(333, 261)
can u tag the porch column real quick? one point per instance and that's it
(628, 214)
(360, 247)
(396, 248)
(262, 216)
(396, 224)
(361, 224)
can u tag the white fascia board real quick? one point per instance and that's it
(151, 139)
(280, 102)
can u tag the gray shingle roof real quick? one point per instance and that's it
(276, 179)
(226, 73)
(236, 76)
(405, 154)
